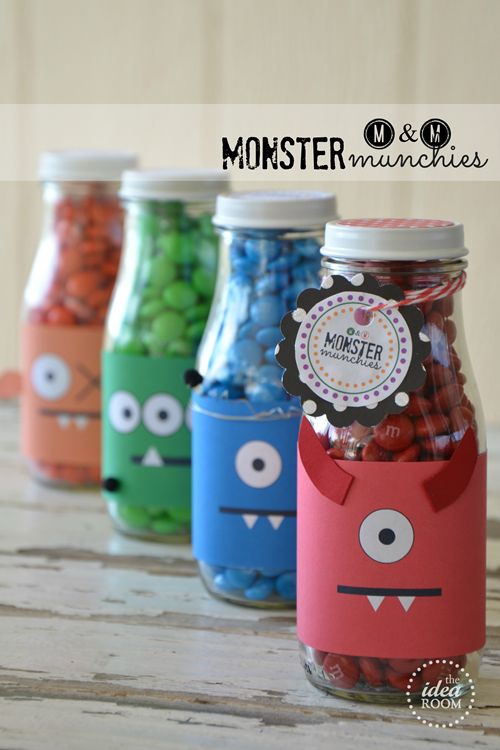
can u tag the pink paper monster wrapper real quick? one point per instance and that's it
(391, 556)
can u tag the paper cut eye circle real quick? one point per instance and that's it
(162, 414)
(124, 411)
(50, 376)
(386, 535)
(258, 464)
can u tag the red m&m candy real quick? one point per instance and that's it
(372, 671)
(342, 671)
(395, 433)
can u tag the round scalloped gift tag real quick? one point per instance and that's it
(350, 352)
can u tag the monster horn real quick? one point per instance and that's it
(448, 484)
(323, 471)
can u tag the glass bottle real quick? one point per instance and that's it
(156, 320)
(65, 303)
(383, 613)
(244, 424)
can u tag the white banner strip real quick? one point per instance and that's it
(338, 142)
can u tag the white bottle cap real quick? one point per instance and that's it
(173, 184)
(84, 166)
(275, 210)
(394, 239)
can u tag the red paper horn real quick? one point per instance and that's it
(447, 486)
(323, 471)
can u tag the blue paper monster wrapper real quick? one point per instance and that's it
(244, 466)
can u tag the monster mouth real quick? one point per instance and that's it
(250, 516)
(153, 459)
(65, 418)
(376, 595)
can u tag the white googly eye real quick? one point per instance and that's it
(162, 414)
(124, 411)
(50, 376)
(258, 464)
(188, 416)
(386, 535)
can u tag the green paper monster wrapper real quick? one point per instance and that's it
(146, 436)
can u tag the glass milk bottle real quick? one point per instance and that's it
(65, 304)
(155, 323)
(244, 424)
(391, 516)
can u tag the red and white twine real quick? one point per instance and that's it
(429, 294)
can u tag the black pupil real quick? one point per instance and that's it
(127, 413)
(386, 536)
(163, 415)
(258, 464)
(50, 375)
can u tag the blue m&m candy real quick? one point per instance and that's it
(222, 584)
(260, 590)
(240, 579)
(261, 250)
(265, 393)
(270, 354)
(307, 247)
(267, 337)
(271, 283)
(286, 585)
(246, 353)
(270, 373)
(267, 310)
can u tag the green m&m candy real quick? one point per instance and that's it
(180, 295)
(134, 516)
(151, 308)
(204, 282)
(168, 326)
(131, 345)
(179, 348)
(197, 312)
(195, 330)
(163, 272)
(167, 527)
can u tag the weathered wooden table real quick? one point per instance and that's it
(107, 642)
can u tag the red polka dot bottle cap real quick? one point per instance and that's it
(394, 239)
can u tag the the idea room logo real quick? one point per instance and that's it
(446, 693)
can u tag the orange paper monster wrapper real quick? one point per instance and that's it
(61, 409)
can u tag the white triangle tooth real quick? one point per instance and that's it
(406, 602)
(375, 601)
(81, 421)
(63, 420)
(152, 458)
(250, 519)
(276, 521)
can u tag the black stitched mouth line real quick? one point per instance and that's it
(370, 591)
(166, 460)
(69, 413)
(254, 512)
(93, 381)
